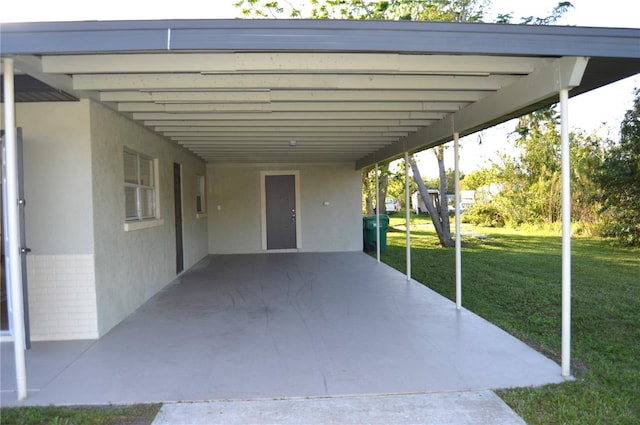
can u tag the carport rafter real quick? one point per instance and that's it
(283, 95)
(325, 81)
(336, 106)
(540, 86)
(301, 62)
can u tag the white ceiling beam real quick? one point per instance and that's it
(543, 84)
(280, 159)
(283, 145)
(217, 96)
(274, 138)
(185, 130)
(292, 107)
(203, 141)
(288, 134)
(141, 107)
(32, 66)
(147, 116)
(204, 144)
(256, 96)
(381, 94)
(287, 62)
(271, 150)
(195, 107)
(317, 122)
(126, 96)
(320, 154)
(155, 82)
(283, 155)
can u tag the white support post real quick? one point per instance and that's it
(407, 203)
(566, 233)
(456, 146)
(377, 215)
(12, 254)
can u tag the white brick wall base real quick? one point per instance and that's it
(62, 297)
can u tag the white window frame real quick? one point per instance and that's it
(142, 221)
(201, 196)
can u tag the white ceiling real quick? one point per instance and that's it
(249, 106)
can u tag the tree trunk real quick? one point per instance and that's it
(440, 222)
(444, 204)
(368, 194)
(372, 200)
(383, 184)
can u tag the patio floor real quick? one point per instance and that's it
(281, 325)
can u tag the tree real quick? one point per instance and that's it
(557, 12)
(411, 10)
(396, 186)
(369, 186)
(438, 211)
(587, 153)
(531, 182)
(619, 179)
(450, 178)
(480, 178)
(539, 141)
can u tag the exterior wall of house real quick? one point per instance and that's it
(58, 215)
(131, 266)
(234, 207)
(87, 272)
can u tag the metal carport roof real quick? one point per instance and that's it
(357, 91)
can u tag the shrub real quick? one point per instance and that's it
(487, 215)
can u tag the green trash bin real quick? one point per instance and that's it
(369, 234)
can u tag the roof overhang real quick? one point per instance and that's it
(357, 91)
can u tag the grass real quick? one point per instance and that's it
(138, 414)
(513, 279)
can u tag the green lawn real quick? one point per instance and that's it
(513, 279)
(139, 414)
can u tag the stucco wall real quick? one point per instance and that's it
(132, 266)
(57, 176)
(235, 209)
(58, 219)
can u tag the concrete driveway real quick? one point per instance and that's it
(270, 326)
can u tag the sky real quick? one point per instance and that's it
(598, 111)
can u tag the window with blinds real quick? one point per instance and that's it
(201, 200)
(139, 186)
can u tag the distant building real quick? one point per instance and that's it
(417, 203)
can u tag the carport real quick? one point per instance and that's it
(283, 92)
(266, 326)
